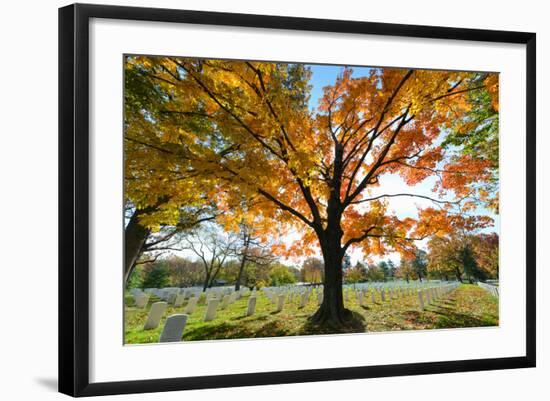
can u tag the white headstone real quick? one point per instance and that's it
(173, 328)
(383, 295)
(280, 302)
(211, 310)
(179, 300)
(191, 305)
(225, 301)
(360, 296)
(155, 314)
(420, 300)
(171, 297)
(427, 292)
(303, 300)
(233, 297)
(251, 306)
(141, 300)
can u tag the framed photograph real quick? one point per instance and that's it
(251, 199)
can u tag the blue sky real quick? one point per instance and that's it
(324, 75)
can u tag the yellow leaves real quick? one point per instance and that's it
(492, 86)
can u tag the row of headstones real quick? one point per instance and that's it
(384, 294)
(491, 289)
(416, 285)
(175, 324)
(302, 294)
(158, 308)
(177, 296)
(170, 295)
(428, 295)
(277, 297)
(212, 301)
(166, 292)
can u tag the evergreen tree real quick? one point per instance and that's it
(157, 277)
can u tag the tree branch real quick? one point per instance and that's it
(409, 195)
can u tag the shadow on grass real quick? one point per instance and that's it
(452, 319)
(229, 331)
(446, 317)
(355, 324)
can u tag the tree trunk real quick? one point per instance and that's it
(135, 236)
(246, 242)
(214, 275)
(240, 274)
(206, 281)
(458, 275)
(332, 311)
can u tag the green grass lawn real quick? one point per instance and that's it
(466, 306)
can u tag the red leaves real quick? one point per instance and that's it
(462, 171)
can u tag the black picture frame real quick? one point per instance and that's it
(74, 198)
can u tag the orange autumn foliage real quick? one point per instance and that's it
(240, 135)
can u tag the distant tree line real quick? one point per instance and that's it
(176, 271)
(459, 257)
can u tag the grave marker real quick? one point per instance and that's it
(360, 298)
(173, 328)
(303, 299)
(179, 300)
(191, 305)
(225, 301)
(211, 310)
(427, 292)
(251, 306)
(141, 300)
(280, 302)
(155, 314)
(420, 300)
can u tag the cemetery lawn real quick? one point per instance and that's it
(466, 306)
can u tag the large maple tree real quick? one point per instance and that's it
(242, 135)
